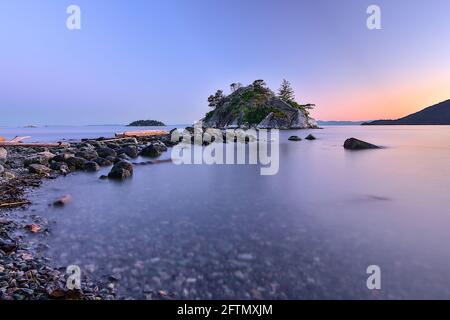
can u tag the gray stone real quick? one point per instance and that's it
(355, 144)
(91, 166)
(106, 152)
(38, 169)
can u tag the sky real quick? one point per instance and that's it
(146, 59)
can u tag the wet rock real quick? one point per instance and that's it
(131, 151)
(62, 157)
(310, 137)
(91, 166)
(60, 166)
(76, 163)
(106, 152)
(38, 169)
(151, 151)
(121, 170)
(355, 144)
(294, 138)
(102, 162)
(36, 159)
(88, 154)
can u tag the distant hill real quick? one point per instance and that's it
(146, 123)
(339, 123)
(439, 114)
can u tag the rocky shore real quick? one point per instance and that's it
(25, 272)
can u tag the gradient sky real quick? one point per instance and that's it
(161, 59)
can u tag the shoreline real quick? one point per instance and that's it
(25, 271)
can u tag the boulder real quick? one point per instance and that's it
(60, 166)
(151, 151)
(310, 137)
(1, 169)
(355, 144)
(47, 155)
(87, 154)
(38, 169)
(121, 170)
(106, 152)
(295, 138)
(76, 162)
(130, 150)
(62, 157)
(91, 166)
(102, 162)
(36, 159)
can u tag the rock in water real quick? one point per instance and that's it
(106, 152)
(130, 151)
(151, 151)
(121, 170)
(295, 138)
(91, 166)
(38, 168)
(355, 144)
(76, 162)
(310, 137)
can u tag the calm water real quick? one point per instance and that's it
(308, 232)
(60, 133)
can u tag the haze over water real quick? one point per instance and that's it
(225, 231)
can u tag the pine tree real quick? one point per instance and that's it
(286, 92)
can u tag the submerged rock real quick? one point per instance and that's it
(131, 151)
(310, 137)
(76, 162)
(121, 170)
(355, 144)
(295, 138)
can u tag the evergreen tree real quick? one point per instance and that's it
(286, 92)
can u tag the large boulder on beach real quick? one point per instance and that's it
(38, 169)
(355, 144)
(106, 152)
(3, 154)
(121, 170)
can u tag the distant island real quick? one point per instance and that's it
(438, 114)
(146, 123)
(257, 106)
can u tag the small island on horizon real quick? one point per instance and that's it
(146, 123)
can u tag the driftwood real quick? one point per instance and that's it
(14, 204)
(31, 145)
(143, 133)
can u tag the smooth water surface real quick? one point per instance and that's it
(310, 231)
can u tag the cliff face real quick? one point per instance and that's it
(257, 106)
(439, 114)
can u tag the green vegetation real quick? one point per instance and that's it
(286, 93)
(146, 123)
(258, 114)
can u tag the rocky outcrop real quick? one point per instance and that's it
(355, 144)
(121, 170)
(257, 106)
